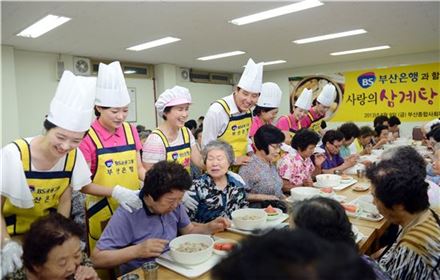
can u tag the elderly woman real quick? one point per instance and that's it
(401, 196)
(260, 174)
(51, 250)
(267, 106)
(218, 192)
(297, 168)
(326, 218)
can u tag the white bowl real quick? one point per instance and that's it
(328, 180)
(191, 257)
(301, 193)
(259, 220)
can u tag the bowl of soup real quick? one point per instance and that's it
(328, 180)
(191, 249)
(249, 218)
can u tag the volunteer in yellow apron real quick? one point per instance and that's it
(172, 141)
(229, 119)
(315, 117)
(112, 149)
(39, 173)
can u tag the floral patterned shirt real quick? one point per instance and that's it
(214, 202)
(294, 168)
(261, 177)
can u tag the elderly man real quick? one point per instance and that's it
(131, 239)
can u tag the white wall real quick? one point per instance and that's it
(281, 77)
(29, 83)
(203, 95)
(10, 128)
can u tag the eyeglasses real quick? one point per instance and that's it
(276, 146)
(336, 146)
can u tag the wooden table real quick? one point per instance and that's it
(370, 230)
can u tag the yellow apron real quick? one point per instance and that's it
(46, 189)
(315, 122)
(237, 131)
(181, 153)
(292, 131)
(115, 166)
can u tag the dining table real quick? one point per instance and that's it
(371, 231)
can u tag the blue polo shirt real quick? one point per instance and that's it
(125, 229)
(331, 161)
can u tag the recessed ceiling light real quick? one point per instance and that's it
(153, 44)
(42, 26)
(296, 7)
(221, 55)
(330, 36)
(361, 50)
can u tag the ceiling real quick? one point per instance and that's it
(105, 29)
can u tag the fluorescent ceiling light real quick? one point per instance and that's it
(361, 50)
(42, 26)
(220, 55)
(303, 5)
(129, 72)
(274, 62)
(153, 44)
(330, 36)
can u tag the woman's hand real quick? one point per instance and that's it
(308, 182)
(319, 159)
(151, 248)
(219, 224)
(85, 273)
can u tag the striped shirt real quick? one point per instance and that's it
(416, 251)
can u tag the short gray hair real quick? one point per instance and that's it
(219, 145)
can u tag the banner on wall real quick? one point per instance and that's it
(410, 92)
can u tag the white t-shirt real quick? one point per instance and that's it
(13, 184)
(216, 121)
(153, 149)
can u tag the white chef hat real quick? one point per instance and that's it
(111, 90)
(270, 96)
(172, 97)
(252, 77)
(327, 95)
(72, 106)
(305, 99)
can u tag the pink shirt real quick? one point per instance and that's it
(256, 124)
(294, 168)
(108, 140)
(283, 122)
(306, 122)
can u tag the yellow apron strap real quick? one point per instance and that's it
(310, 116)
(288, 120)
(95, 138)
(128, 133)
(162, 136)
(225, 106)
(70, 161)
(25, 153)
(185, 135)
